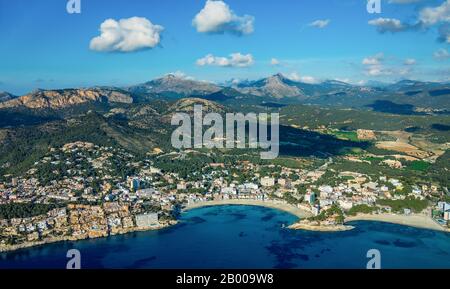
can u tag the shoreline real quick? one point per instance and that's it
(414, 220)
(300, 213)
(13, 248)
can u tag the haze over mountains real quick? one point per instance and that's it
(5, 96)
(175, 86)
(274, 89)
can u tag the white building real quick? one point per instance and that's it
(228, 191)
(326, 189)
(154, 170)
(443, 206)
(285, 183)
(384, 189)
(346, 205)
(325, 203)
(310, 198)
(267, 182)
(147, 220)
(396, 183)
(315, 210)
(247, 188)
(181, 186)
(146, 193)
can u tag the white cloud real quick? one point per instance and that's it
(294, 76)
(127, 35)
(373, 60)
(426, 18)
(361, 82)
(378, 70)
(305, 79)
(234, 60)
(374, 66)
(217, 17)
(345, 80)
(410, 61)
(441, 54)
(403, 71)
(388, 25)
(320, 23)
(235, 81)
(274, 62)
(308, 79)
(432, 15)
(180, 74)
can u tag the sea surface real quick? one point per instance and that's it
(238, 237)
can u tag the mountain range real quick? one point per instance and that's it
(174, 86)
(273, 89)
(56, 99)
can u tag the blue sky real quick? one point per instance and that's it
(43, 46)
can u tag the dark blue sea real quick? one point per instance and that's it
(246, 237)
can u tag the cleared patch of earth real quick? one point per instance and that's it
(413, 145)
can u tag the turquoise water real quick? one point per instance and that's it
(246, 237)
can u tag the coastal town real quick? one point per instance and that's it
(82, 190)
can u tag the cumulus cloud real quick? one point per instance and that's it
(426, 18)
(217, 17)
(127, 35)
(432, 15)
(374, 65)
(320, 23)
(274, 62)
(378, 70)
(388, 25)
(308, 79)
(373, 60)
(234, 60)
(410, 61)
(305, 79)
(180, 74)
(441, 54)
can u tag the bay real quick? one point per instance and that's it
(240, 237)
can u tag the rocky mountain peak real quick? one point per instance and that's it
(56, 99)
(175, 84)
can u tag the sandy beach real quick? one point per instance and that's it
(414, 220)
(269, 204)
